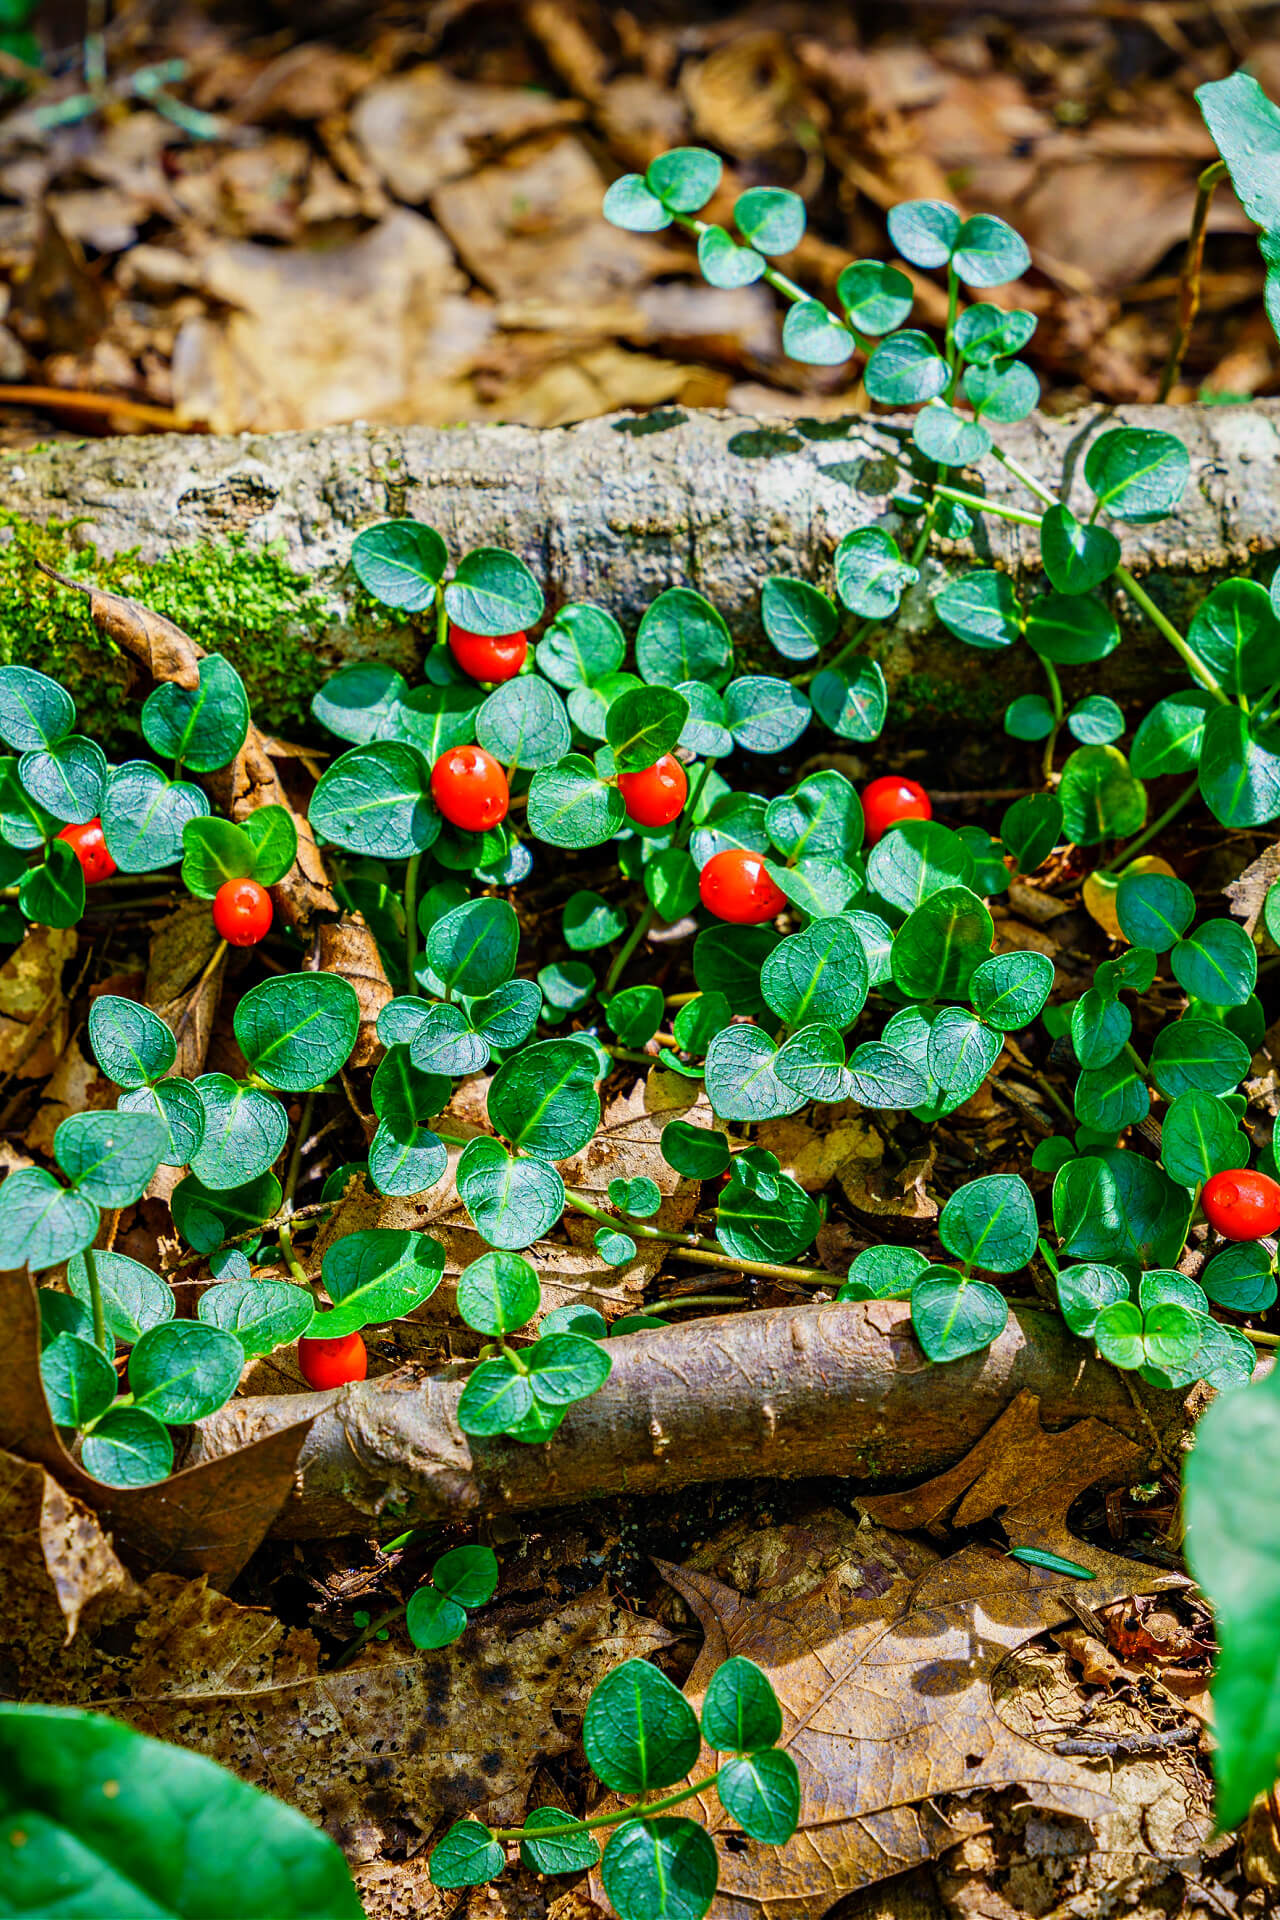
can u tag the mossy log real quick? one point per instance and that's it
(245, 542)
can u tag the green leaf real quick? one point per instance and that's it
(53, 894)
(109, 1158)
(1136, 473)
(376, 800)
(571, 806)
(432, 1620)
(244, 1132)
(819, 974)
(761, 1791)
(644, 723)
(1231, 1546)
(1009, 990)
(982, 609)
(884, 1273)
(143, 815)
(201, 727)
(512, 1202)
(852, 700)
(877, 298)
(765, 714)
(1031, 829)
(664, 1867)
(765, 1220)
(214, 851)
(377, 1273)
(34, 710)
(1118, 1206)
(564, 1367)
(798, 619)
(433, 718)
(1218, 964)
(473, 948)
(128, 1448)
(725, 264)
(741, 1078)
(950, 438)
(1085, 1291)
(986, 333)
(771, 218)
(41, 1224)
(1199, 1137)
(986, 252)
(682, 637)
(68, 780)
(1110, 1098)
(905, 369)
(1006, 391)
(1100, 797)
(1245, 126)
(1077, 556)
(262, 1314)
(685, 178)
(133, 1298)
(523, 723)
(639, 1731)
(639, 1198)
(821, 815)
(1241, 1279)
(1133, 970)
(953, 1316)
(400, 562)
(740, 1710)
(813, 335)
(128, 1825)
(628, 204)
(498, 1293)
(23, 825)
(1240, 769)
(206, 1219)
(568, 1852)
(496, 1398)
(583, 643)
(941, 943)
(1171, 737)
(1154, 909)
(1235, 633)
(493, 592)
(1071, 629)
(870, 573)
(182, 1370)
(298, 1029)
(358, 702)
(635, 1014)
(924, 231)
(881, 1076)
(468, 1575)
(699, 1153)
(79, 1381)
(1203, 1054)
(544, 1101)
(445, 1045)
(1100, 1029)
(728, 960)
(961, 1051)
(812, 1061)
(990, 1223)
(914, 860)
(467, 1856)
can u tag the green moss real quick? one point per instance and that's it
(918, 695)
(243, 601)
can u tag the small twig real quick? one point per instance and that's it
(1189, 279)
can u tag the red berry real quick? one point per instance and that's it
(90, 849)
(1241, 1204)
(488, 657)
(656, 795)
(470, 788)
(890, 799)
(241, 912)
(736, 886)
(332, 1363)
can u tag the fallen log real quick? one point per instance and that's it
(828, 1389)
(614, 510)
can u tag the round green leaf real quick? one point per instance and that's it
(877, 298)
(639, 1731)
(682, 637)
(1218, 964)
(544, 1099)
(740, 1710)
(905, 369)
(68, 780)
(358, 702)
(567, 1852)
(433, 1620)
(628, 203)
(660, 1866)
(870, 574)
(468, 1855)
(143, 815)
(642, 724)
(982, 609)
(201, 727)
(813, 335)
(133, 1298)
(262, 1314)
(128, 1447)
(1136, 473)
(990, 1223)
(953, 1316)
(724, 263)
(761, 1791)
(53, 894)
(375, 1274)
(376, 800)
(1077, 556)
(513, 1202)
(1071, 629)
(498, 1293)
(79, 1381)
(182, 1370)
(771, 218)
(400, 562)
(941, 943)
(523, 723)
(685, 178)
(495, 1399)
(109, 1157)
(583, 643)
(493, 592)
(571, 806)
(34, 710)
(924, 231)
(298, 1029)
(1100, 797)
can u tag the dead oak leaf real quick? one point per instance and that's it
(58, 1564)
(33, 1012)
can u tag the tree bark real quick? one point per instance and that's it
(617, 509)
(828, 1389)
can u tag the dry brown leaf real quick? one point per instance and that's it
(1099, 892)
(1247, 892)
(54, 1554)
(33, 1013)
(181, 986)
(902, 1192)
(882, 1653)
(425, 127)
(75, 1086)
(347, 947)
(845, 1146)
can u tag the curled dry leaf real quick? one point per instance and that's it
(58, 1564)
(181, 985)
(33, 1012)
(346, 946)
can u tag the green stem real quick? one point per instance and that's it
(291, 1259)
(627, 948)
(1136, 1059)
(295, 1158)
(695, 1247)
(949, 348)
(696, 1300)
(641, 1812)
(1019, 472)
(1158, 825)
(1055, 694)
(1164, 625)
(95, 1301)
(365, 1634)
(980, 504)
(1050, 1091)
(411, 915)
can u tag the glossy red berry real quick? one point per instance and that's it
(656, 795)
(470, 788)
(890, 799)
(241, 912)
(332, 1363)
(736, 886)
(1241, 1204)
(488, 657)
(90, 849)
